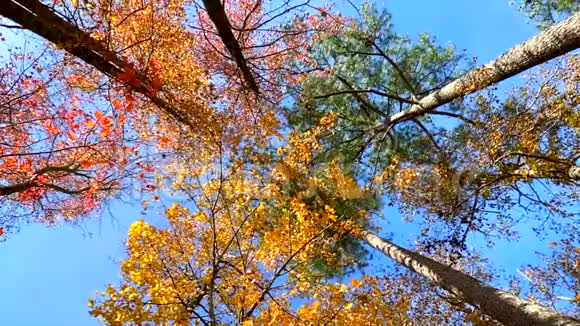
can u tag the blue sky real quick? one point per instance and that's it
(47, 274)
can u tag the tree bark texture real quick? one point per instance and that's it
(500, 305)
(555, 41)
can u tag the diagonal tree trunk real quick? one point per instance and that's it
(41, 20)
(500, 305)
(557, 40)
(217, 14)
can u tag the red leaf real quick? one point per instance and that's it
(154, 63)
(106, 122)
(117, 104)
(86, 164)
(164, 140)
(156, 83)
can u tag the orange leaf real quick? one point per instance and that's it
(106, 131)
(50, 128)
(154, 63)
(164, 140)
(106, 122)
(86, 164)
(117, 104)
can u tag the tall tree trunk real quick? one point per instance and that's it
(41, 20)
(500, 305)
(217, 14)
(557, 40)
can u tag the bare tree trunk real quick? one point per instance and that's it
(217, 14)
(500, 305)
(557, 40)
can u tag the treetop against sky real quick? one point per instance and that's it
(283, 162)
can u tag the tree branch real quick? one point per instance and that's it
(218, 16)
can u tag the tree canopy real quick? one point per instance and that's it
(273, 136)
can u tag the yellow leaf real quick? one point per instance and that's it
(315, 306)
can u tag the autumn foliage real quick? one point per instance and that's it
(272, 144)
(62, 150)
